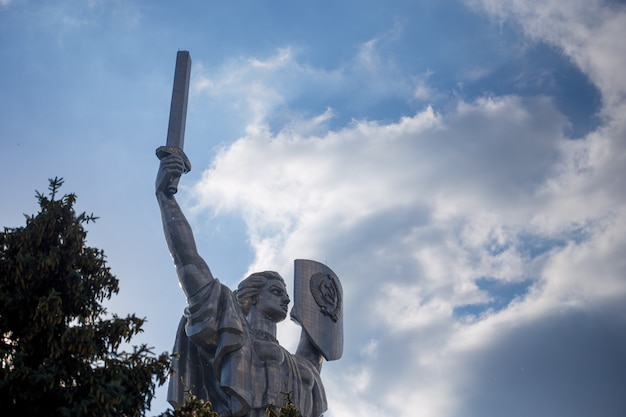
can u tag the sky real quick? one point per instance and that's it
(460, 165)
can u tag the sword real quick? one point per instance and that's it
(178, 116)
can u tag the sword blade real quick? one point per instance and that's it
(180, 94)
(178, 116)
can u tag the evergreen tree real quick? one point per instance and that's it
(192, 407)
(288, 410)
(60, 351)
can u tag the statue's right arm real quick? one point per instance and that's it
(193, 272)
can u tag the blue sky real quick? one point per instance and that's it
(459, 165)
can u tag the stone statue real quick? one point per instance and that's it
(226, 341)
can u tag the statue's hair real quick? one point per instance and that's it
(250, 287)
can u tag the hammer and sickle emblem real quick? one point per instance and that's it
(326, 295)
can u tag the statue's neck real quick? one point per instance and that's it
(259, 321)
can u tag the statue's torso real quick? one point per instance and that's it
(238, 366)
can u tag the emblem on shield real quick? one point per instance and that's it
(326, 294)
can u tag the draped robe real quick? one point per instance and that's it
(239, 369)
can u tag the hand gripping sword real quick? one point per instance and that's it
(178, 116)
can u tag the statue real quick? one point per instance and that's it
(226, 341)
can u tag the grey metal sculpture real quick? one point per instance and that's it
(226, 341)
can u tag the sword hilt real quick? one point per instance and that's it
(162, 152)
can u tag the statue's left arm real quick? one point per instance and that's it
(307, 350)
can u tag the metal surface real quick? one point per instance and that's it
(178, 106)
(178, 116)
(318, 306)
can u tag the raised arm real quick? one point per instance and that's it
(193, 272)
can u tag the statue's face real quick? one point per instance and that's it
(272, 300)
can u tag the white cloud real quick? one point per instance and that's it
(369, 57)
(246, 88)
(422, 90)
(590, 32)
(412, 213)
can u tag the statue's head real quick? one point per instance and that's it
(267, 292)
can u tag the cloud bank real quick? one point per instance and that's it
(481, 250)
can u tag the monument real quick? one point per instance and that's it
(226, 341)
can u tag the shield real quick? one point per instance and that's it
(318, 306)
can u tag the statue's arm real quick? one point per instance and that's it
(307, 350)
(193, 272)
